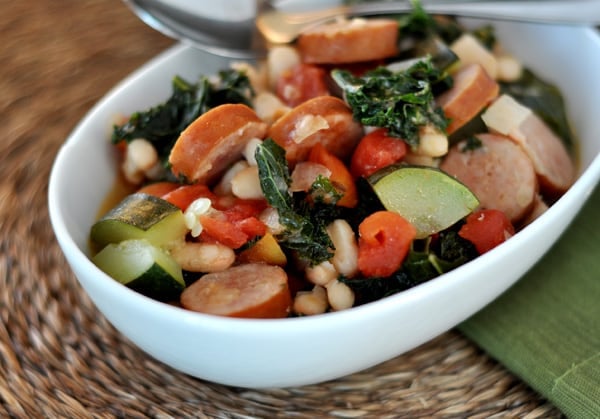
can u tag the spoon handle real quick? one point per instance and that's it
(282, 27)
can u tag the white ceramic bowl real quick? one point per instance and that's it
(297, 351)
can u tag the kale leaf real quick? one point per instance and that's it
(400, 101)
(304, 231)
(162, 124)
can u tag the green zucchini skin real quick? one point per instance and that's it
(428, 198)
(142, 267)
(140, 216)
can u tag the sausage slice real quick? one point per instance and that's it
(550, 158)
(214, 141)
(498, 172)
(253, 290)
(349, 41)
(324, 119)
(472, 91)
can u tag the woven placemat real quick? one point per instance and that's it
(59, 357)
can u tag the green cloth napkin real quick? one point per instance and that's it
(546, 328)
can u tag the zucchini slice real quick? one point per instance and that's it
(428, 198)
(142, 267)
(140, 216)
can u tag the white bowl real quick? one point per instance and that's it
(297, 351)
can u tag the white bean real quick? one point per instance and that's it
(224, 185)
(339, 295)
(140, 156)
(345, 257)
(245, 184)
(269, 107)
(311, 302)
(250, 150)
(203, 257)
(432, 142)
(280, 59)
(321, 274)
(142, 153)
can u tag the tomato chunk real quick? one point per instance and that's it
(300, 83)
(383, 244)
(223, 231)
(376, 150)
(234, 224)
(486, 229)
(184, 195)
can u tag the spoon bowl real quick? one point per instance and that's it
(243, 29)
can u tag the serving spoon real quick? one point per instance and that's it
(248, 37)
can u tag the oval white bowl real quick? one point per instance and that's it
(298, 351)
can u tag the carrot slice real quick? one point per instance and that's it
(384, 241)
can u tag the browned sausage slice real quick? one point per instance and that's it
(550, 158)
(349, 41)
(214, 141)
(324, 119)
(253, 290)
(472, 91)
(498, 172)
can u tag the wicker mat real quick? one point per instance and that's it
(59, 357)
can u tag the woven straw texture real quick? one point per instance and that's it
(59, 357)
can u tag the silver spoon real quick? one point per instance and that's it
(247, 38)
(281, 27)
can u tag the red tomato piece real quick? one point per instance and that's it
(486, 229)
(383, 244)
(184, 195)
(375, 151)
(223, 231)
(234, 224)
(239, 208)
(252, 227)
(300, 83)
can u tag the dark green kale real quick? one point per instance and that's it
(418, 23)
(304, 230)
(471, 143)
(368, 203)
(367, 290)
(486, 35)
(545, 100)
(400, 101)
(323, 191)
(162, 124)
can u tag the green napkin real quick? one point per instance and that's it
(546, 328)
